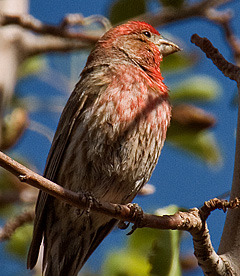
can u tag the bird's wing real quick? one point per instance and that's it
(72, 110)
(101, 233)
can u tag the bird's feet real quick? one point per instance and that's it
(90, 199)
(137, 213)
(123, 224)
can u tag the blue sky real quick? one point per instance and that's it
(179, 178)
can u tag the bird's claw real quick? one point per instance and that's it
(123, 225)
(89, 197)
(137, 212)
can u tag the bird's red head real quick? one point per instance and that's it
(132, 27)
(136, 43)
(136, 35)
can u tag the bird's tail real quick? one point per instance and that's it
(66, 253)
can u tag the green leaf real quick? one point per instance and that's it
(134, 259)
(7, 210)
(164, 255)
(20, 240)
(201, 143)
(197, 88)
(142, 239)
(32, 66)
(175, 63)
(125, 263)
(123, 10)
(168, 210)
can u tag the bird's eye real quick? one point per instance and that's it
(147, 34)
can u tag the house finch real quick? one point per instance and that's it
(107, 143)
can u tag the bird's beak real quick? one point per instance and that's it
(167, 47)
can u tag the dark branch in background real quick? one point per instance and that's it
(8, 198)
(34, 45)
(63, 31)
(28, 22)
(62, 37)
(122, 212)
(193, 221)
(169, 15)
(59, 38)
(223, 18)
(228, 69)
(10, 227)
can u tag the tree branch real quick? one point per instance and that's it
(62, 38)
(228, 69)
(169, 15)
(29, 22)
(193, 221)
(10, 55)
(57, 38)
(229, 246)
(35, 45)
(223, 18)
(9, 228)
(122, 212)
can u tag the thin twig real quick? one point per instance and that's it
(9, 228)
(179, 221)
(169, 15)
(122, 212)
(35, 45)
(223, 18)
(31, 23)
(192, 221)
(216, 203)
(228, 69)
(54, 38)
(164, 16)
(74, 19)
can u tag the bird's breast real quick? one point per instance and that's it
(116, 142)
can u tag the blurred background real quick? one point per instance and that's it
(196, 163)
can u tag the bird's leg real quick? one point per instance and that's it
(135, 211)
(89, 197)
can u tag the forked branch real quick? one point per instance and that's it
(229, 249)
(193, 221)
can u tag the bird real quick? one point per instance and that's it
(107, 143)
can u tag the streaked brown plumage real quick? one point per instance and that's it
(108, 141)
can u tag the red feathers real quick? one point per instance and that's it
(107, 143)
